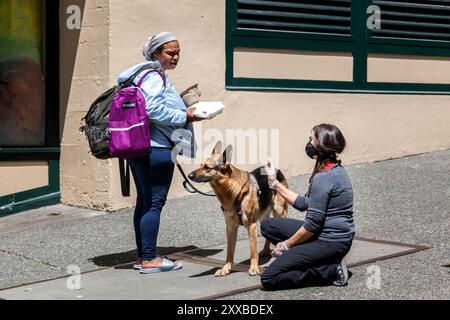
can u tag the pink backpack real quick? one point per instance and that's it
(128, 122)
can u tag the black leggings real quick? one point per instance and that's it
(311, 263)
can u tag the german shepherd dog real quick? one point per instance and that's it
(245, 198)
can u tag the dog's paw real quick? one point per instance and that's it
(222, 272)
(253, 271)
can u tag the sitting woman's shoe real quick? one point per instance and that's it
(167, 265)
(342, 275)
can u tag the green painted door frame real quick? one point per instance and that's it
(34, 198)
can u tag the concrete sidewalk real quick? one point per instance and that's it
(196, 278)
(405, 200)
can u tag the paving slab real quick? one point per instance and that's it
(195, 281)
(44, 216)
(71, 242)
(17, 270)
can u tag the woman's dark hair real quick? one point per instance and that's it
(330, 141)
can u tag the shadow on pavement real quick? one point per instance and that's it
(114, 259)
(206, 273)
(204, 252)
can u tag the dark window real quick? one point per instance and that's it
(22, 110)
(29, 95)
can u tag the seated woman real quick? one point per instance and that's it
(311, 252)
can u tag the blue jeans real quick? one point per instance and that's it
(152, 176)
(308, 264)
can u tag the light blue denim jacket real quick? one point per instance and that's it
(165, 108)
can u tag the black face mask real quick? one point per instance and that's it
(311, 151)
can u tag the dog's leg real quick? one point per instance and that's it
(280, 210)
(254, 258)
(265, 252)
(232, 229)
(280, 207)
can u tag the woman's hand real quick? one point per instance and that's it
(271, 175)
(190, 116)
(279, 249)
(281, 189)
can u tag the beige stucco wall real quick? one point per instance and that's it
(85, 63)
(292, 64)
(18, 177)
(407, 69)
(376, 126)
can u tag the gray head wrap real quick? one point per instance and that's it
(155, 42)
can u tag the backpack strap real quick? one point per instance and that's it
(130, 80)
(124, 170)
(141, 80)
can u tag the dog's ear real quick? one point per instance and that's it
(217, 149)
(226, 156)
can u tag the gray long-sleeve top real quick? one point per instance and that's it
(329, 205)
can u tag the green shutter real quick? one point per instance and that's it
(306, 16)
(408, 27)
(414, 20)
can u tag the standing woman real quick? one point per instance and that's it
(153, 174)
(311, 252)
